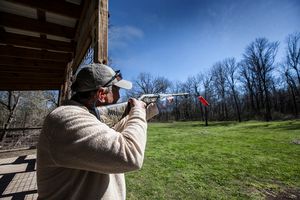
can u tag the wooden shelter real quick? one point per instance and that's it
(43, 41)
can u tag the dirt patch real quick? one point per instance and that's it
(288, 194)
(296, 142)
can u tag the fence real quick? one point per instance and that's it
(18, 138)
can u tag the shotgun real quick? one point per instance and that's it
(111, 114)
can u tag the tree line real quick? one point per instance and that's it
(255, 87)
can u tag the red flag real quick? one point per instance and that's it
(203, 101)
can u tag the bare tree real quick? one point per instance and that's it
(147, 84)
(291, 84)
(293, 54)
(231, 67)
(219, 79)
(260, 57)
(176, 88)
(51, 96)
(248, 81)
(10, 106)
(192, 86)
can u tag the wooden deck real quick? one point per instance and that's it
(18, 178)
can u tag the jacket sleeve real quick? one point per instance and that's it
(121, 124)
(78, 140)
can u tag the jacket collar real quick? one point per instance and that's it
(74, 103)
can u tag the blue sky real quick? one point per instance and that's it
(179, 38)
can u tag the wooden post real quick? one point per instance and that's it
(101, 33)
(65, 91)
(92, 30)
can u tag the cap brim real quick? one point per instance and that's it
(123, 84)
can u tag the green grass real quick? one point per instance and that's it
(249, 160)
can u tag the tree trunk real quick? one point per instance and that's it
(236, 105)
(268, 115)
(294, 102)
(11, 108)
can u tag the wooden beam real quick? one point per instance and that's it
(83, 36)
(60, 7)
(13, 78)
(19, 52)
(65, 91)
(41, 15)
(10, 73)
(28, 24)
(9, 61)
(100, 43)
(27, 76)
(35, 42)
(88, 6)
(4, 69)
(32, 80)
(36, 70)
(19, 82)
(29, 86)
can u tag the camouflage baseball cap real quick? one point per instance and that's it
(94, 76)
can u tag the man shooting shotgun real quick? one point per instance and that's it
(79, 156)
(111, 114)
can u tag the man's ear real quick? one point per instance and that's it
(101, 94)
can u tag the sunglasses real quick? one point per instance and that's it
(117, 76)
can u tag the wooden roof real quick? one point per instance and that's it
(39, 39)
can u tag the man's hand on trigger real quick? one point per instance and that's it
(137, 103)
(151, 111)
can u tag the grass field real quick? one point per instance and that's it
(249, 160)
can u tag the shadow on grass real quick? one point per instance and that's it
(274, 125)
(215, 124)
(195, 124)
(286, 127)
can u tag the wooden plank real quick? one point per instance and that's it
(26, 84)
(33, 73)
(29, 86)
(41, 15)
(21, 80)
(28, 24)
(65, 91)
(100, 44)
(16, 69)
(43, 81)
(86, 14)
(26, 78)
(84, 31)
(19, 52)
(56, 6)
(9, 61)
(27, 71)
(35, 42)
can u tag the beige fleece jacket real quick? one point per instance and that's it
(79, 157)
